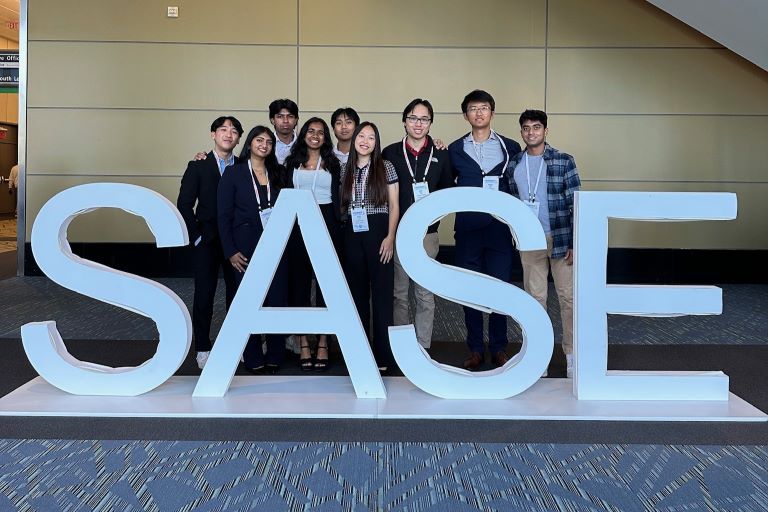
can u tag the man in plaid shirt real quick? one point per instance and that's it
(545, 180)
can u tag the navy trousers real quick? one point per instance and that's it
(487, 250)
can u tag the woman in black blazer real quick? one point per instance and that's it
(312, 165)
(247, 193)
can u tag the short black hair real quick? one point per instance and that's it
(478, 96)
(219, 122)
(534, 115)
(349, 112)
(412, 105)
(276, 106)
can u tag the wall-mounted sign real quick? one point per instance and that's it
(9, 71)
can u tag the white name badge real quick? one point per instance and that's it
(359, 220)
(264, 214)
(534, 206)
(491, 182)
(420, 190)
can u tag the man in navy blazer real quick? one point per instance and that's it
(197, 204)
(483, 244)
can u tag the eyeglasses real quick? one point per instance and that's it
(418, 120)
(483, 109)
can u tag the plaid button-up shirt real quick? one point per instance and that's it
(562, 182)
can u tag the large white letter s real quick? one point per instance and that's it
(42, 342)
(475, 290)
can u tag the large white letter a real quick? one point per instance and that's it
(247, 315)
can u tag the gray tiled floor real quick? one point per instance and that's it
(744, 320)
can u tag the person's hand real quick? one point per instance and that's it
(239, 261)
(387, 249)
(569, 257)
(202, 155)
(439, 144)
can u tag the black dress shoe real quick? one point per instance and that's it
(500, 358)
(258, 370)
(272, 369)
(473, 362)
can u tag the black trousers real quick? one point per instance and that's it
(301, 274)
(253, 355)
(208, 258)
(371, 283)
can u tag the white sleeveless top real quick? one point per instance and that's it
(318, 182)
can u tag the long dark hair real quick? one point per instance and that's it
(376, 188)
(275, 170)
(300, 152)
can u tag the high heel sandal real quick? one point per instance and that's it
(321, 363)
(306, 363)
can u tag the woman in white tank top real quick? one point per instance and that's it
(313, 166)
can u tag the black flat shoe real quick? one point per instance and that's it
(259, 370)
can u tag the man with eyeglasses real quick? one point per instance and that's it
(545, 180)
(422, 168)
(284, 115)
(483, 243)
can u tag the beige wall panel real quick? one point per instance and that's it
(199, 21)
(393, 76)
(104, 225)
(664, 148)
(122, 142)
(654, 81)
(402, 23)
(618, 23)
(746, 232)
(158, 75)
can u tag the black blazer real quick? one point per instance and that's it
(199, 185)
(239, 222)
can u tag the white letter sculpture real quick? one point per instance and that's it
(594, 299)
(43, 343)
(475, 290)
(247, 314)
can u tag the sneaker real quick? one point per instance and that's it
(569, 365)
(202, 358)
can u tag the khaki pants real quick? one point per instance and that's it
(536, 266)
(425, 300)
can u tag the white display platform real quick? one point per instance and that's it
(333, 397)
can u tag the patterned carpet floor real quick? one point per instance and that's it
(242, 476)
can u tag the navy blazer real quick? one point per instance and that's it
(468, 174)
(239, 222)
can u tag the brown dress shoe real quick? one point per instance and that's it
(500, 358)
(473, 362)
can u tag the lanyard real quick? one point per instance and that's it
(314, 179)
(479, 154)
(256, 188)
(408, 161)
(364, 183)
(532, 192)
